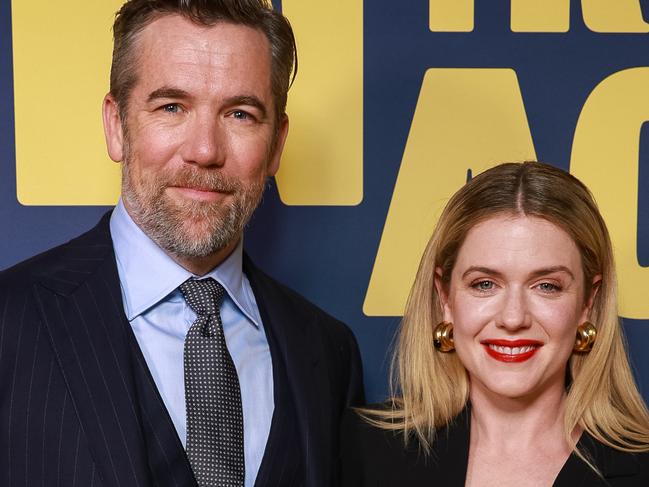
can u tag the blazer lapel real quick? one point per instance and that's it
(293, 331)
(81, 307)
(610, 462)
(451, 457)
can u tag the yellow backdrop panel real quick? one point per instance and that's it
(61, 67)
(61, 71)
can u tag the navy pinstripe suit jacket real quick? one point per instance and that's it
(70, 405)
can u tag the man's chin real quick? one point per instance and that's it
(196, 239)
(190, 229)
(189, 249)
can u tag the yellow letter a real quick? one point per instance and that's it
(465, 119)
(605, 157)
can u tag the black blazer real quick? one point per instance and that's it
(379, 458)
(70, 397)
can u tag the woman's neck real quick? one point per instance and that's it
(514, 423)
(516, 441)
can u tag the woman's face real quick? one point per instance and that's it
(515, 298)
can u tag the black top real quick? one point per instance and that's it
(378, 458)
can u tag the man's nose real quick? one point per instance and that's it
(205, 141)
(515, 311)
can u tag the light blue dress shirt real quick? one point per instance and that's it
(161, 318)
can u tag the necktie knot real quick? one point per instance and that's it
(203, 296)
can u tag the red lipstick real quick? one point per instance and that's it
(511, 350)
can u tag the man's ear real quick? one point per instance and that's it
(113, 128)
(442, 293)
(282, 133)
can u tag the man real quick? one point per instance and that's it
(150, 350)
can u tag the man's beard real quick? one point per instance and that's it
(190, 228)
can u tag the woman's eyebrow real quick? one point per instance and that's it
(481, 269)
(550, 270)
(536, 273)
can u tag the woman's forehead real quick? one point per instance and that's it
(518, 242)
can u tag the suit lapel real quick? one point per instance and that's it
(81, 307)
(293, 340)
(610, 462)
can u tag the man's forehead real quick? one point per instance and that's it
(233, 59)
(183, 34)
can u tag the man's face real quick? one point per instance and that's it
(200, 137)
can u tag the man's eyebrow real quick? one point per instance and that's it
(249, 100)
(167, 92)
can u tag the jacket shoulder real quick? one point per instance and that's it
(295, 302)
(66, 262)
(374, 456)
(619, 467)
(327, 337)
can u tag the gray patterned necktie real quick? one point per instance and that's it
(212, 393)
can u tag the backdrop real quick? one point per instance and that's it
(395, 105)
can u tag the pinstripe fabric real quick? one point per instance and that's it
(69, 400)
(283, 462)
(168, 466)
(78, 406)
(323, 369)
(41, 439)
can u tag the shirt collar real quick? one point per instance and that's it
(148, 275)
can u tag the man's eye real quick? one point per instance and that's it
(171, 108)
(241, 115)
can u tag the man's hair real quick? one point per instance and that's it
(135, 15)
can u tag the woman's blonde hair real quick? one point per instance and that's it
(430, 388)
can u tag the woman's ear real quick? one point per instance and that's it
(442, 293)
(594, 289)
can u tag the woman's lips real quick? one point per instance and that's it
(511, 350)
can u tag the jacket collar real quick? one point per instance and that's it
(610, 462)
(77, 261)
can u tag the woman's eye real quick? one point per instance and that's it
(548, 287)
(484, 285)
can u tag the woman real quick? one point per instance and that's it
(510, 368)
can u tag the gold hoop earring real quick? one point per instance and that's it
(586, 335)
(443, 337)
